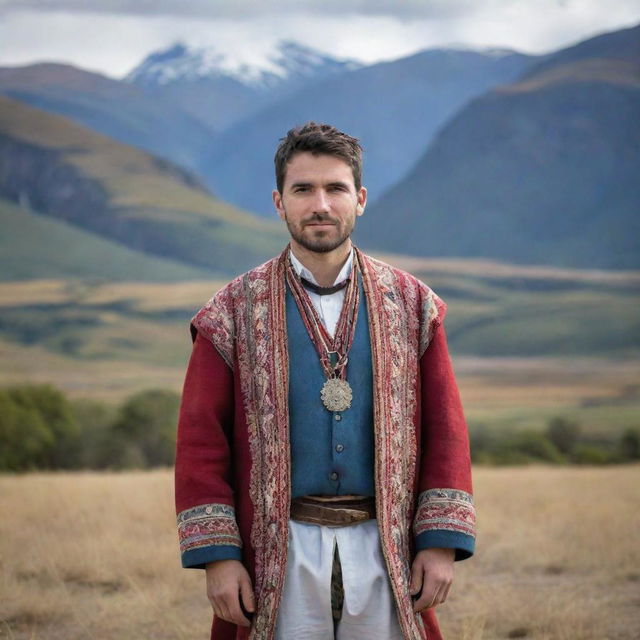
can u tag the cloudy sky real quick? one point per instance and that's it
(112, 36)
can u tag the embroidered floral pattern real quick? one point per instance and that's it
(264, 366)
(215, 320)
(449, 509)
(208, 525)
(395, 301)
(433, 311)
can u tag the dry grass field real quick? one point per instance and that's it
(94, 556)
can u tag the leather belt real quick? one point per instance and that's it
(333, 511)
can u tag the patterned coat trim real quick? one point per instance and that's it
(215, 320)
(246, 322)
(445, 509)
(398, 305)
(208, 525)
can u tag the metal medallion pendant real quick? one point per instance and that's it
(336, 394)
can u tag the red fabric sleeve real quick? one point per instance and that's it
(206, 417)
(445, 458)
(207, 526)
(445, 514)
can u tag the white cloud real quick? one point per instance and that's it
(118, 37)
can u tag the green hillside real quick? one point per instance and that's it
(528, 343)
(63, 170)
(36, 246)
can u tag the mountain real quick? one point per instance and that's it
(394, 108)
(542, 171)
(62, 250)
(54, 167)
(116, 109)
(220, 87)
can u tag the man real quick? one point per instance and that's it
(322, 470)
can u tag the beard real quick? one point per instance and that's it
(320, 241)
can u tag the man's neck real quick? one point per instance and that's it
(325, 267)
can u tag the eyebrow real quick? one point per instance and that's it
(336, 183)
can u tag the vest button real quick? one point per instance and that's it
(339, 448)
(338, 417)
(334, 475)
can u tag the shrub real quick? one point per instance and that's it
(629, 445)
(564, 433)
(591, 454)
(37, 429)
(145, 429)
(527, 446)
(95, 420)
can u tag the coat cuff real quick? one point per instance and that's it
(207, 533)
(446, 518)
(463, 544)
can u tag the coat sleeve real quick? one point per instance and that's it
(445, 515)
(207, 526)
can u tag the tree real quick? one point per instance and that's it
(564, 433)
(59, 448)
(146, 428)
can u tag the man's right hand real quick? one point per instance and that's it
(227, 582)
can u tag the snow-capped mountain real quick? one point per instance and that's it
(219, 86)
(287, 63)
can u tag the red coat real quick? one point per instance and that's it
(232, 461)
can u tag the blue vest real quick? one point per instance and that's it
(331, 453)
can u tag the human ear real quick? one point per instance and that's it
(277, 201)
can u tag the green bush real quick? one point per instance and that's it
(37, 429)
(145, 429)
(591, 454)
(95, 420)
(563, 433)
(629, 445)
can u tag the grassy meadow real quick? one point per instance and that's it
(528, 343)
(95, 556)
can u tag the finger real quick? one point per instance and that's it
(426, 598)
(224, 609)
(439, 596)
(417, 577)
(235, 613)
(215, 607)
(446, 593)
(246, 593)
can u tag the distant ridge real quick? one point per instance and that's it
(116, 109)
(541, 171)
(394, 108)
(58, 168)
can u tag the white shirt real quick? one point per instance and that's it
(328, 307)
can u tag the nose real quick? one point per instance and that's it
(321, 202)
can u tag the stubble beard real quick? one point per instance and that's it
(319, 244)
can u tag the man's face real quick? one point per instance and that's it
(319, 201)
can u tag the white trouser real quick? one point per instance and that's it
(305, 611)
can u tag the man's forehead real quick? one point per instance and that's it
(310, 168)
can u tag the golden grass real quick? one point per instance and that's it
(487, 268)
(144, 296)
(94, 556)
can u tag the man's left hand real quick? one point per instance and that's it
(431, 572)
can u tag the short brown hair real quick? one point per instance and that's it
(319, 139)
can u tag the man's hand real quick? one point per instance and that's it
(227, 582)
(432, 571)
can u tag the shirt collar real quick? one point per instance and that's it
(302, 271)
